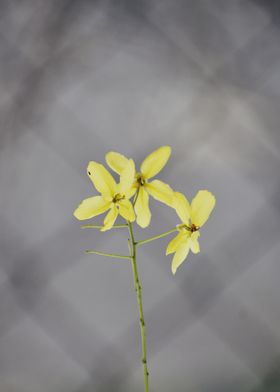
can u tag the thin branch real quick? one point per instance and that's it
(115, 255)
(156, 237)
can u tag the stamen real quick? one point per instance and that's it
(140, 179)
(193, 227)
(118, 197)
(190, 228)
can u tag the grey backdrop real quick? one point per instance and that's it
(80, 78)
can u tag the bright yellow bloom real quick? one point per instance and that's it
(193, 216)
(114, 197)
(151, 166)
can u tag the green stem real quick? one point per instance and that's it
(132, 245)
(100, 227)
(156, 237)
(97, 252)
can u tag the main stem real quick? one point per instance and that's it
(140, 306)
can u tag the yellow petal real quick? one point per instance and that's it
(91, 207)
(127, 177)
(142, 209)
(176, 242)
(194, 244)
(131, 192)
(126, 210)
(160, 191)
(201, 207)
(154, 162)
(180, 256)
(195, 235)
(110, 218)
(182, 207)
(102, 179)
(116, 161)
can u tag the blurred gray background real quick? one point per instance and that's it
(80, 78)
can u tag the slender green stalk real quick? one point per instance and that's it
(97, 252)
(132, 246)
(100, 227)
(156, 237)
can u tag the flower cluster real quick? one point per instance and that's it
(138, 186)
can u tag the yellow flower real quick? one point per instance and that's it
(114, 197)
(151, 166)
(193, 216)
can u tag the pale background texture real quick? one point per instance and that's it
(80, 78)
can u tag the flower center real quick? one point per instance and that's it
(118, 197)
(140, 179)
(192, 228)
